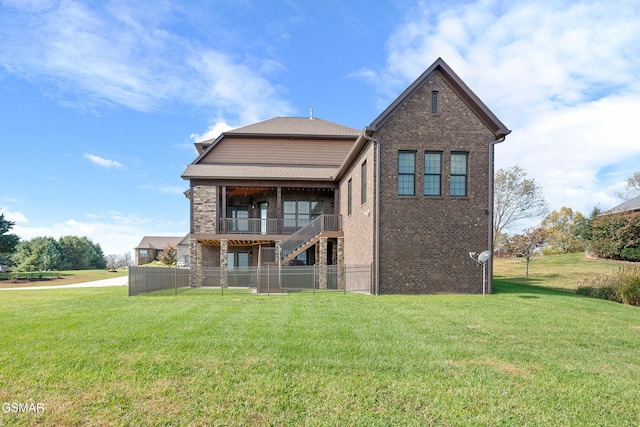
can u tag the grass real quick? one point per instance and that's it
(565, 271)
(50, 278)
(526, 355)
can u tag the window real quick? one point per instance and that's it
(143, 253)
(238, 218)
(349, 197)
(432, 171)
(406, 173)
(434, 102)
(298, 213)
(363, 183)
(458, 182)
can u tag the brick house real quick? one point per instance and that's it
(410, 195)
(150, 247)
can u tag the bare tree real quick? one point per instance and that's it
(527, 244)
(631, 188)
(516, 198)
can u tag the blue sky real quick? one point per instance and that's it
(100, 102)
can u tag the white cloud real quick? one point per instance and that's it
(562, 75)
(92, 55)
(101, 161)
(213, 132)
(165, 189)
(14, 216)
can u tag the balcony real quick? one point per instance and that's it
(273, 226)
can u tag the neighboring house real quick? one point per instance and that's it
(150, 246)
(410, 195)
(629, 207)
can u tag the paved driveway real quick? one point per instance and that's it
(116, 281)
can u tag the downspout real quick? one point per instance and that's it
(376, 216)
(490, 209)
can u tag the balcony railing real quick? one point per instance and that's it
(275, 226)
(248, 226)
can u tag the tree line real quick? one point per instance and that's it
(518, 198)
(47, 253)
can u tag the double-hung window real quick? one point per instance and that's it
(432, 173)
(459, 172)
(406, 173)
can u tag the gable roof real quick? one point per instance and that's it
(628, 206)
(158, 242)
(295, 126)
(458, 86)
(282, 127)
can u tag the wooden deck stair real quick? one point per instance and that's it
(306, 245)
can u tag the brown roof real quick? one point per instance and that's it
(158, 242)
(296, 126)
(267, 172)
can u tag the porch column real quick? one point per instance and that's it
(340, 262)
(195, 263)
(279, 209)
(322, 263)
(223, 207)
(224, 250)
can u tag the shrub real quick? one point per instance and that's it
(630, 290)
(622, 286)
(630, 254)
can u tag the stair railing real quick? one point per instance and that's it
(315, 227)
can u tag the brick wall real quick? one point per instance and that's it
(359, 226)
(425, 241)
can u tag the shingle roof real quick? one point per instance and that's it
(158, 242)
(296, 126)
(628, 206)
(270, 172)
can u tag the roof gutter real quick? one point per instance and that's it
(376, 214)
(492, 145)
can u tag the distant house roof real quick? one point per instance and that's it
(628, 206)
(458, 86)
(158, 242)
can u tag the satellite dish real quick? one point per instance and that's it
(484, 256)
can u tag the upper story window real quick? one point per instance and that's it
(434, 102)
(459, 172)
(363, 183)
(406, 173)
(432, 173)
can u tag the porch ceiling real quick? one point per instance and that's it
(235, 242)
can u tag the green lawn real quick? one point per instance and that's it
(50, 278)
(526, 355)
(555, 271)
